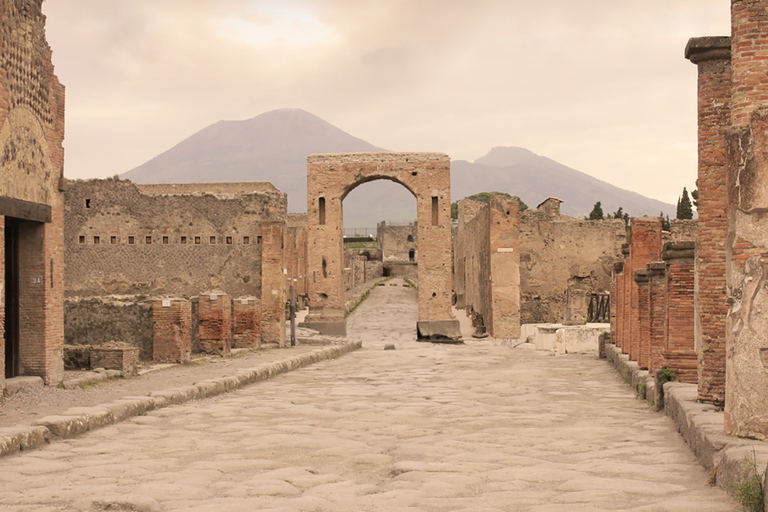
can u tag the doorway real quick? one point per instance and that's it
(12, 356)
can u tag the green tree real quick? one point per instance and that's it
(684, 206)
(695, 196)
(665, 225)
(621, 214)
(483, 198)
(597, 212)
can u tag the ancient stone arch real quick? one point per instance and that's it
(330, 177)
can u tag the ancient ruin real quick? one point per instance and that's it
(329, 179)
(31, 203)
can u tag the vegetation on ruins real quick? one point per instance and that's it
(597, 212)
(621, 214)
(483, 198)
(665, 223)
(749, 491)
(684, 206)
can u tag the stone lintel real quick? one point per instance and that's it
(625, 249)
(682, 250)
(641, 275)
(618, 267)
(702, 49)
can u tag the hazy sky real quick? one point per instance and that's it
(599, 85)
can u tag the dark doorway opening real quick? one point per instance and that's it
(412, 255)
(12, 350)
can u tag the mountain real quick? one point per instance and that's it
(533, 178)
(270, 147)
(274, 147)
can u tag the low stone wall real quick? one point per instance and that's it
(98, 320)
(563, 339)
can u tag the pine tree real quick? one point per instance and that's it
(597, 212)
(684, 206)
(665, 224)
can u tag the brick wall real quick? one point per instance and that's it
(712, 55)
(504, 266)
(215, 323)
(31, 138)
(679, 352)
(171, 326)
(396, 242)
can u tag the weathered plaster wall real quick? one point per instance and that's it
(398, 243)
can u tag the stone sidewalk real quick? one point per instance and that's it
(424, 427)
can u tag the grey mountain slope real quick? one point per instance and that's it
(274, 147)
(533, 178)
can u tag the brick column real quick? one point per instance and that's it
(171, 330)
(2, 303)
(746, 407)
(272, 283)
(616, 290)
(215, 321)
(644, 247)
(679, 352)
(644, 312)
(658, 312)
(246, 325)
(624, 305)
(712, 55)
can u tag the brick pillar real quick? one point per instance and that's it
(215, 321)
(624, 305)
(644, 247)
(749, 44)
(272, 283)
(616, 289)
(644, 312)
(246, 325)
(657, 281)
(712, 55)
(504, 262)
(679, 352)
(2, 303)
(171, 330)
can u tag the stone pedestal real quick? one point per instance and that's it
(171, 330)
(215, 321)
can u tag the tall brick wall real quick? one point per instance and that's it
(31, 179)
(504, 266)
(171, 330)
(712, 55)
(273, 283)
(329, 179)
(296, 257)
(679, 351)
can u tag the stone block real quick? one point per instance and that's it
(116, 356)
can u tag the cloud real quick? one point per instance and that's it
(599, 85)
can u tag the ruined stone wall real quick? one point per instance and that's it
(31, 181)
(296, 257)
(487, 257)
(397, 243)
(560, 252)
(178, 240)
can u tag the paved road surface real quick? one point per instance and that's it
(421, 428)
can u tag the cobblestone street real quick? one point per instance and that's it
(424, 427)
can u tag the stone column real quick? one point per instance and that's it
(746, 403)
(644, 312)
(658, 312)
(644, 247)
(624, 304)
(679, 351)
(712, 55)
(273, 283)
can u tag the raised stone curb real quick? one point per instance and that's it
(729, 459)
(79, 420)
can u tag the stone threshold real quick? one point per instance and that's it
(728, 459)
(79, 420)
